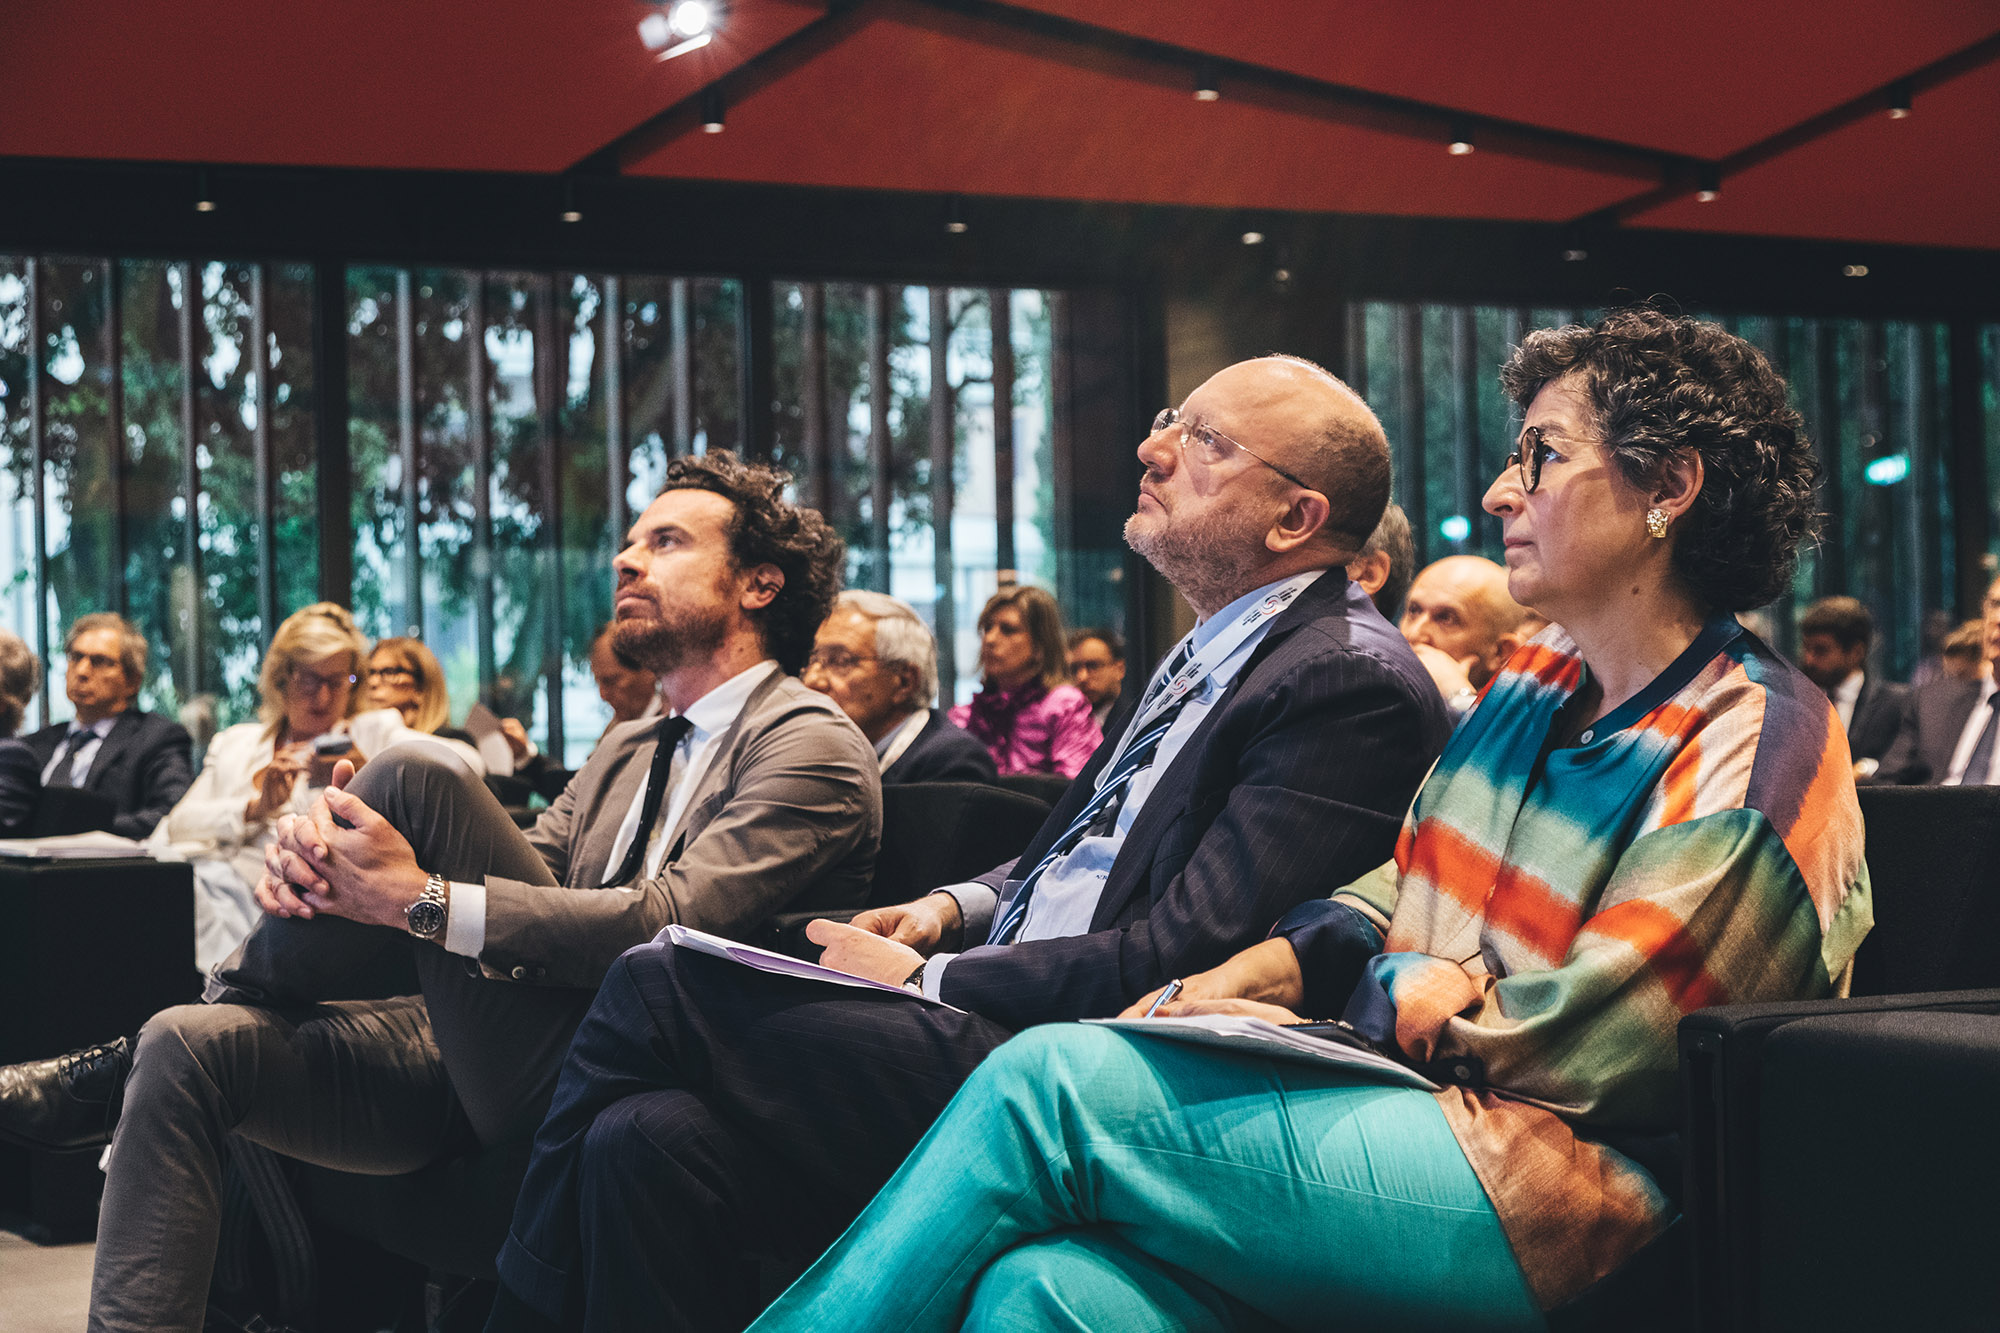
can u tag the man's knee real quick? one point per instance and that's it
(410, 772)
(631, 1138)
(188, 1048)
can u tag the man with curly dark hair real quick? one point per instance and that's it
(755, 795)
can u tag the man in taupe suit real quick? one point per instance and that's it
(755, 795)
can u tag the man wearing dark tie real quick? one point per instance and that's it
(1949, 725)
(136, 764)
(756, 795)
(1835, 634)
(707, 1110)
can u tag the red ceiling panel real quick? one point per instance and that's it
(914, 101)
(513, 85)
(1925, 180)
(1701, 77)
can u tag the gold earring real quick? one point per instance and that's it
(1656, 522)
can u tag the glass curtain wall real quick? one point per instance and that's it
(1875, 396)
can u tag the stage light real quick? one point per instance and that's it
(1461, 139)
(1207, 88)
(711, 111)
(1708, 185)
(691, 18)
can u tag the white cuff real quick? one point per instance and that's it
(465, 922)
(934, 975)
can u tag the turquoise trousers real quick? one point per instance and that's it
(1089, 1179)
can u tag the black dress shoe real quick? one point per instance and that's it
(68, 1103)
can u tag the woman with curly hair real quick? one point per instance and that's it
(1648, 812)
(1027, 714)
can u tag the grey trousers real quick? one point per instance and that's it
(375, 1086)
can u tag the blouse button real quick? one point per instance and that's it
(1585, 738)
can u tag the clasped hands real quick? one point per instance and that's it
(887, 944)
(367, 872)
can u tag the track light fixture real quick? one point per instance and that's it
(1902, 95)
(677, 29)
(204, 197)
(570, 212)
(711, 110)
(1708, 184)
(954, 216)
(1207, 88)
(1461, 138)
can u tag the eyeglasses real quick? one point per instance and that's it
(97, 660)
(391, 673)
(310, 683)
(1211, 447)
(1530, 452)
(837, 660)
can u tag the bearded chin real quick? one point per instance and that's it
(1207, 564)
(666, 645)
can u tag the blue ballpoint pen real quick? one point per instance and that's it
(1173, 989)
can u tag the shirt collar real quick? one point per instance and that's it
(1229, 615)
(913, 723)
(100, 728)
(1849, 689)
(719, 707)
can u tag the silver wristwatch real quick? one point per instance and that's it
(426, 916)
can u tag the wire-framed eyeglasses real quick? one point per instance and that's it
(1211, 447)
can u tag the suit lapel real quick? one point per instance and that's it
(601, 813)
(1171, 795)
(111, 748)
(716, 779)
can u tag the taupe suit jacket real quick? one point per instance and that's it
(787, 817)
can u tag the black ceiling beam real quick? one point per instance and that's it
(1688, 176)
(506, 221)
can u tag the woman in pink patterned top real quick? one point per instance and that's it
(1027, 714)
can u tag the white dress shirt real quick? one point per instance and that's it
(1845, 695)
(1968, 737)
(79, 750)
(1066, 896)
(708, 717)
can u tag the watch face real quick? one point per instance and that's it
(426, 918)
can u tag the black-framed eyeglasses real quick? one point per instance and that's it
(1211, 447)
(1530, 452)
(391, 673)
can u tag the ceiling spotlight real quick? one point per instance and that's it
(954, 216)
(1708, 184)
(1461, 138)
(1253, 238)
(656, 31)
(1854, 270)
(1901, 96)
(691, 18)
(204, 197)
(711, 111)
(1207, 88)
(1575, 256)
(570, 212)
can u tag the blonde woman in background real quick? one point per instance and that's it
(257, 771)
(20, 770)
(405, 675)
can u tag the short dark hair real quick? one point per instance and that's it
(767, 529)
(1113, 641)
(1042, 618)
(1662, 386)
(1393, 535)
(1843, 619)
(131, 643)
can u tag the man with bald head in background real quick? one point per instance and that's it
(706, 1108)
(1463, 624)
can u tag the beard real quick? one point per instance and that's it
(666, 643)
(1209, 562)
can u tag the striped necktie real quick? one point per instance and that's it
(1101, 808)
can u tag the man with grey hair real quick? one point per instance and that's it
(127, 767)
(1386, 563)
(875, 657)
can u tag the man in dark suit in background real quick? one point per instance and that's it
(135, 764)
(1947, 732)
(1835, 634)
(875, 657)
(707, 1109)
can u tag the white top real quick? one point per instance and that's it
(208, 826)
(1968, 737)
(1846, 695)
(82, 745)
(709, 716)
(1066, 897)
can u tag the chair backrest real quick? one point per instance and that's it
(1931, 857)
(1046, 787)
(936, 833)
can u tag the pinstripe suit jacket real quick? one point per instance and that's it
(1294, 784)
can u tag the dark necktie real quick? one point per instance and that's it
(1101, 809)
(1981, 763)
(668, 739)
(65, 757)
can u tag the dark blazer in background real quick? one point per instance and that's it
(20, 784)
(1878, 716)
(942, 752)
(1933, 717)
(142, 767)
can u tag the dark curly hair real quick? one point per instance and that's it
(1664, 385)
(766, 529)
